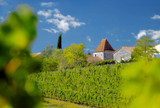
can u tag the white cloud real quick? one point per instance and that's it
(88, 38)
(155, 34)
(62, 25)
(133, 34)
(47, 4)
(46, 14)
(62, 17)
(51, 30)
(62, 22)
(109, 34)
(155, 17)
(141, 34)
(157, 41)
(117, 40)
(88, 50)
(76, 24)
(1, 19)
(3, 2)
(40, 21)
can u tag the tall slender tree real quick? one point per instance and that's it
(59, 43)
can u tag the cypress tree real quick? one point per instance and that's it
(59, 43)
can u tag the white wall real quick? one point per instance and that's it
(157, 47)
(99, 54)
(122, 54)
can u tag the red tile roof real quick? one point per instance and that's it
(130, 49)
(36, 54)
(92, 59)
(103, 46)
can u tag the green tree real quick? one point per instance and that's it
(49, 64)
(59, 43)
(57, 54)
(16, 35)
(89, 53)
(47, 52)
(144, 48)
(74, 55)
(55, 60)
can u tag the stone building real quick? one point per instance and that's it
(124, 53)
(104, 50)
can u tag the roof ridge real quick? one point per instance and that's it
(103, 46)
(130, 50)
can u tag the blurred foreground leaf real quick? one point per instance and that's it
(142, 81)
(16, 35)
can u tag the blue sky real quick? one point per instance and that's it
(121, 22)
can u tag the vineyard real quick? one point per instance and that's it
(93, 86)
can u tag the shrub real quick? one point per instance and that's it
(105, 62)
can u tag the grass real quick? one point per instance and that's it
(52, 103)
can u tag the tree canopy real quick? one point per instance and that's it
(144, 48)
(74, 55)
(47, 52)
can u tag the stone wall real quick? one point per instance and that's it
(122, 54)
(108, 55)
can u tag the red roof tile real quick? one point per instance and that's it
(36, 54)
(103, 46)
(130, 49)
(92, 59)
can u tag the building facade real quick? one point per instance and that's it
(104, 50)
(124, 53)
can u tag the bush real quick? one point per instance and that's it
(105, 62)
(128, 61)
(49, 64)
(58, 59)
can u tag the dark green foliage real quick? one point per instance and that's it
(105, 62)
(89, 53)
(47, 60)
(59, 43)
(49, 64)
(128, 61)
(94, 86)
(16, 35)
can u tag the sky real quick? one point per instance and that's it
(121, 22)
